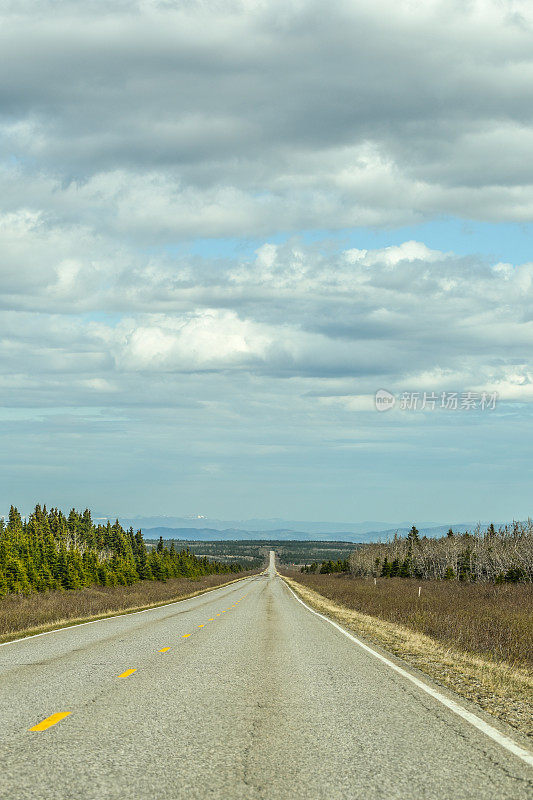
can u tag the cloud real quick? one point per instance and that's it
(345, 321)
(209, 339)
(130, 129)
(159, 120)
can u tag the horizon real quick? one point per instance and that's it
(158, 521)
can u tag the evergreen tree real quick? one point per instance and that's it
(394, 568)
(51, 551)
(412, 536)
(405, 569)
(386, 568)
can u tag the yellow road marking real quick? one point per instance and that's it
(163, 650)
(127, 673)
(218, 615)
(201, 626)
(49, 721)
(211, 620)
(185, 635)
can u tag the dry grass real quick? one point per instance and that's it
(502, 689)
(23, 616)
(483, 619)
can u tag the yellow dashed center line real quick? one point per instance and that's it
(127, 673)
(49, 721)
(55, 718)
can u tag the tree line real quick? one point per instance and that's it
(341, 565)
(51, 551)
(498, 555)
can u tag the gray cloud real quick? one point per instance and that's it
(180, 120)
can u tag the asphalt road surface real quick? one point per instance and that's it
(238, 693)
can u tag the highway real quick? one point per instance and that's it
(240, 693)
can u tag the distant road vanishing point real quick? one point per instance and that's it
(241, 693)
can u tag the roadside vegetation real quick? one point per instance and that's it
(22, 615)
(459, 608)
(50, 551)
(503, 555)
(341, 565)
(493, 621)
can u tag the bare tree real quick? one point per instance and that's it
(499, 555)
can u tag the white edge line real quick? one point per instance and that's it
(477, 722)
(111, 617)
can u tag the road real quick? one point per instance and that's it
(255, 697)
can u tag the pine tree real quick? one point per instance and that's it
(395, 568)
(405, 569)
(386, 568)
(51, 551)
(412, 536)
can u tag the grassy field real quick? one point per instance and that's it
(475, 640)
(37, 612)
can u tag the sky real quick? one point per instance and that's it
(225, 224)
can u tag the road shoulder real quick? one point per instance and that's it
(501, 692)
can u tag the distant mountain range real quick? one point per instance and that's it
(204, 534)
(202, 529)
(260, 525)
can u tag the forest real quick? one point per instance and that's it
(50, 551)
(253, 553)
(503, 555)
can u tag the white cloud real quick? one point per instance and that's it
(208, 339)
(397, 316)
